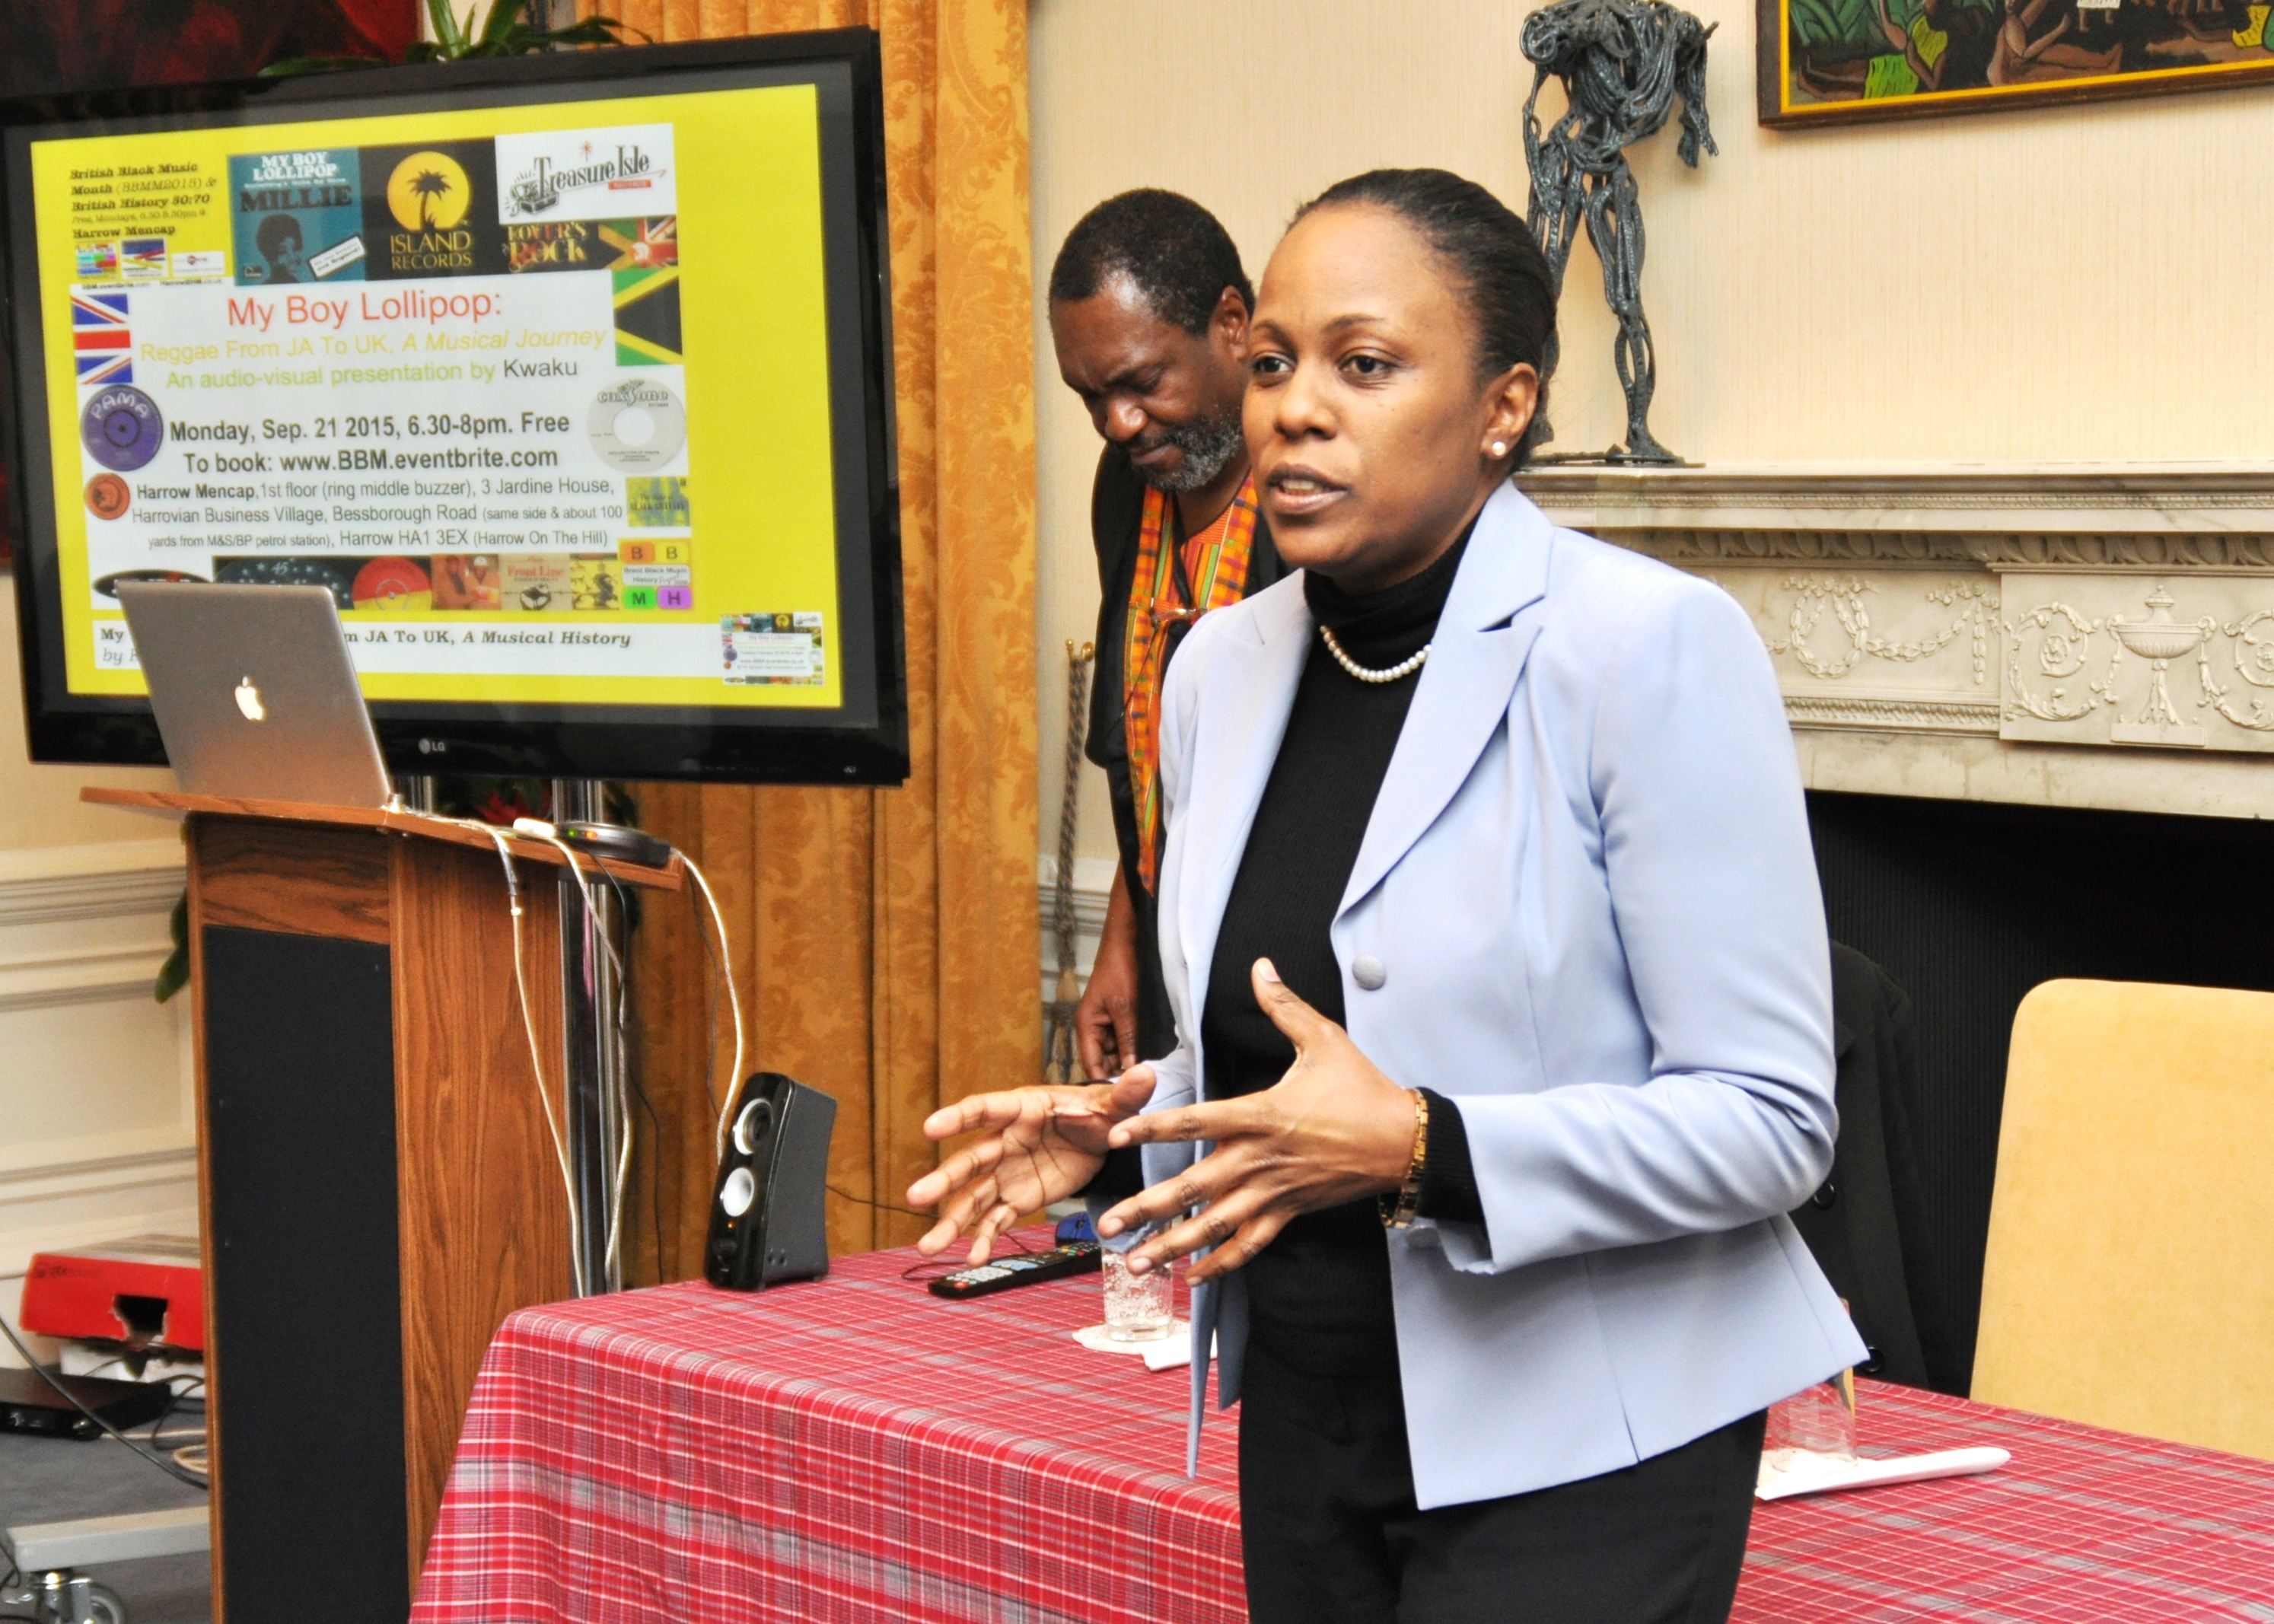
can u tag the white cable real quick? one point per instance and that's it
(536, 1053)
(734, 998)
(536, 829)
(623, 1125)
(536, 1066)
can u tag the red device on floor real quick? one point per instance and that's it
(146, 1291)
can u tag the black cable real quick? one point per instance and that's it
(622, 962)
(49, 1377)
(17, 1579)
(935, 1269)
(625, 1017)
(858, 1201)
(175, 1398)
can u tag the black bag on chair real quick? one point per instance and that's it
(767, 1223)
(1866, 1223)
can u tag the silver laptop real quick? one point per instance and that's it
(255, 692)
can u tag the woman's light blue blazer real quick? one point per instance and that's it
(1588, 883)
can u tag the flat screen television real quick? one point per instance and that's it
(570, 376)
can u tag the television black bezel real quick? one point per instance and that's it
(864, 740)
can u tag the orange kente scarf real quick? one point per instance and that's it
(1160, 598)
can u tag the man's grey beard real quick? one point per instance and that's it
(1209, 446)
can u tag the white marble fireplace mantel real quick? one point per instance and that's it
(2061, 635)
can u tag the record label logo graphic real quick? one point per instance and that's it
(424, 210)
(428, 192)
(107, 496)
(637, 426)
(122, 428)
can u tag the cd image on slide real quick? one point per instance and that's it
(595, 581)
(335, 576)
(537, 583)
(550, 245)
(123, 429)
(640, 244)
(638, 426)
(108, 497)
(396, 585)
(431, 210)
(298, 217)
(466, 581)
(658, 503)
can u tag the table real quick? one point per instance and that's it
(856, 1450)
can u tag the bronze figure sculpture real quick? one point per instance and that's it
(1623, 63)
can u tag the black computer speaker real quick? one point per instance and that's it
(766, 1218)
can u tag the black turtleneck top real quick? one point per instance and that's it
(1319, 1295)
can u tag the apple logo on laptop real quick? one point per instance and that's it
(248, 700)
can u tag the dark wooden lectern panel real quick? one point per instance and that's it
(381, 1188)
(304, 1276)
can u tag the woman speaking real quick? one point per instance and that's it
(1501, 989)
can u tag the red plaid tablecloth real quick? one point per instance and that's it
(856, 1450)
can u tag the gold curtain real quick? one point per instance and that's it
(885, 941)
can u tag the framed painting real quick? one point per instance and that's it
(1841, 60)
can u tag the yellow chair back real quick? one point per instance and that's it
(2129, 1282)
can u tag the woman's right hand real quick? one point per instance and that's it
(1041, 1145)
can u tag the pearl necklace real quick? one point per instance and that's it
(1406, 667)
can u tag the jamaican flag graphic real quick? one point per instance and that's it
(647, 317)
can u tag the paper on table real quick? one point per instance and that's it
(1167, 1353)
(1096, 1338)
(1175, 1352)
(1815, 1474)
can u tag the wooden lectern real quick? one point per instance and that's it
(376, 1180)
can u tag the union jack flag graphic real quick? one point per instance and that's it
(98, 334)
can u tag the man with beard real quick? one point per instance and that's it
(1148, 313)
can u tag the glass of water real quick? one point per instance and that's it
(1139, 1308)
(1815, 1426)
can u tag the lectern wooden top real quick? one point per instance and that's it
(174, 802)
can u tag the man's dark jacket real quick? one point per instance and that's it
(1117, 509)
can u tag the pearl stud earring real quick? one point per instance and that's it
(1500, 448)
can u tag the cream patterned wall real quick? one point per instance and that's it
(2066, 285)
(97, 1138)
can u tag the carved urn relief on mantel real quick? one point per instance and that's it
(2057, 634)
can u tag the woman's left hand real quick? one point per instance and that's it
(1333, 1129)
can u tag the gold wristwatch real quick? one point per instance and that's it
(1398, 1209)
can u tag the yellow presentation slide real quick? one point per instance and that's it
(541, 393)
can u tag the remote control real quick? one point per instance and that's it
(1021, 1269)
